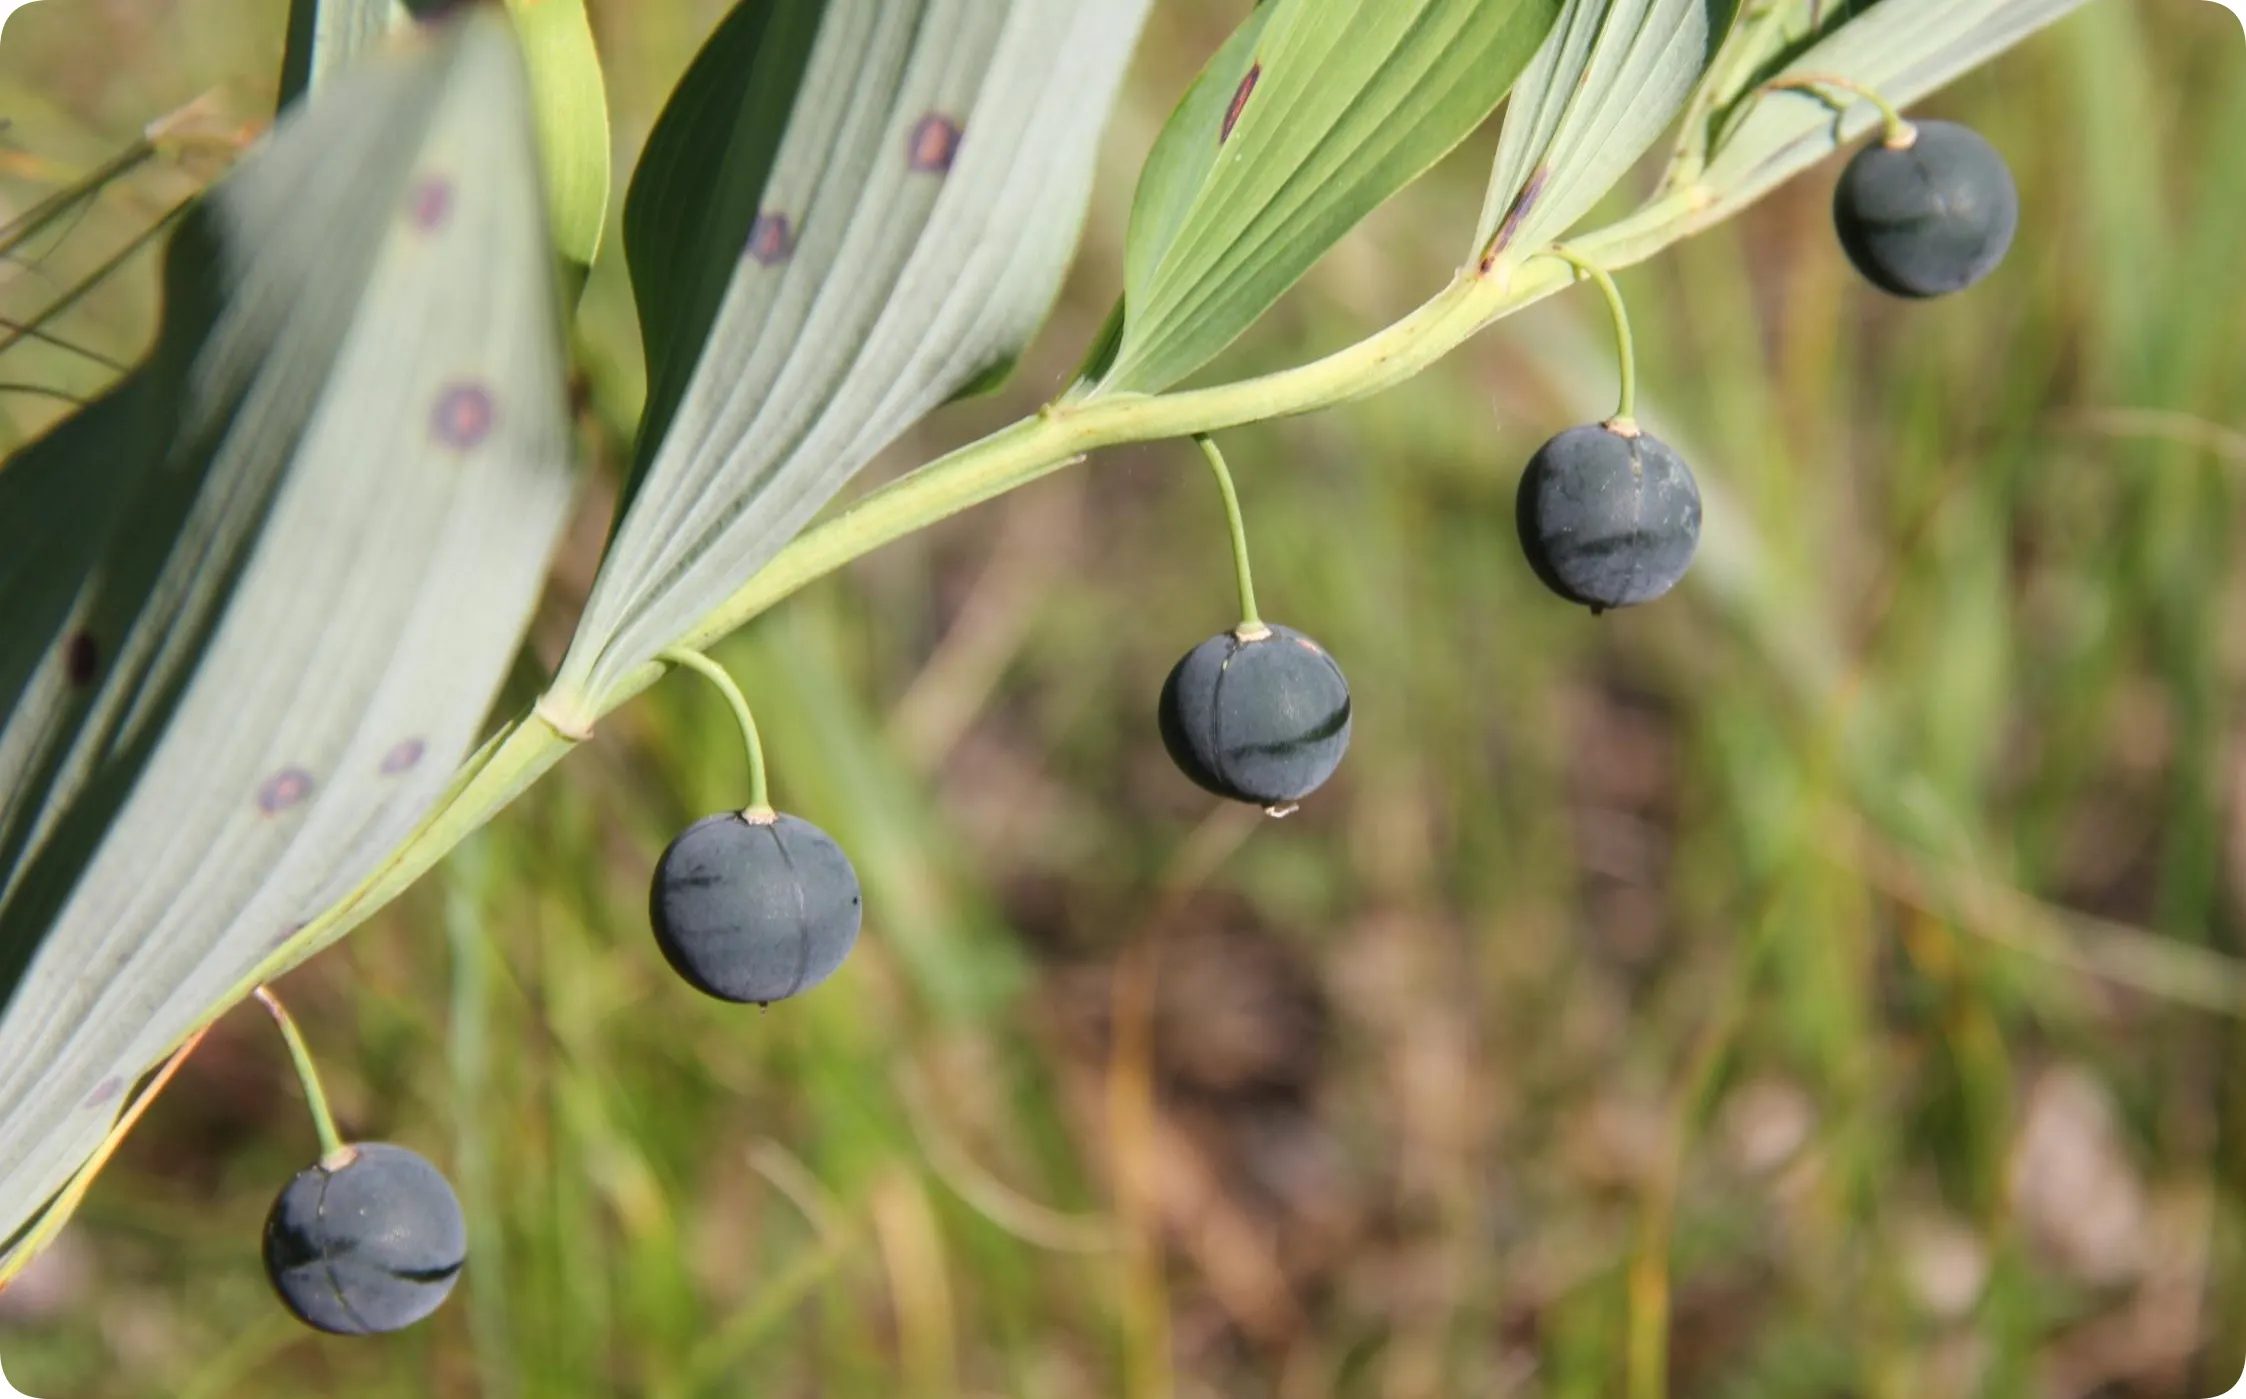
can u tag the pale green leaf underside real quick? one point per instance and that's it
(918, 215)
(260, 598)
(697, 199)
(1332, 106)
(1903, 48)
(1609, 80)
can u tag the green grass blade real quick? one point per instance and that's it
(1312, 114)
(260, 596)
(850, 214)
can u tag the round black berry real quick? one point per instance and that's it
(1607, 517)
(1262, 720)
(371, 1244)
(1933, 217)
(754, 910)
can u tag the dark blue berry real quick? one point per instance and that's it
(754, 910)
(369, 1245)
(1608, 518)
(1263, 720)
(1933, 217)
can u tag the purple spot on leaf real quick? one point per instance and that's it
(431, 204)
(935, 141)
(283, 790)
(283, 938)
(1239, 102)
(105, 1092)
(82, 661)
(771, 239)
(403, 756)
(1522, 203)
(463, 416)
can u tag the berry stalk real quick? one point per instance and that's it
(1624, 420)
(1251, 626)
(1899, 134)
(759, 809)
(1056, 437)
(333, 1153)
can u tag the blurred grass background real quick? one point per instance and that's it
(1820, 983)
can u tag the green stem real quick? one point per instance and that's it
(518, 755)
(1626, 349)
(760, 803)
(334, 1155)
(1899, 135)
(1250, 624)
(1062, 433)
(522, 752)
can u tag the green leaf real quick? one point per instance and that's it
(570, 98)
(1609, 80)
(849, 213)
(1904, 49)
(258, 599)
(700, 182)
(1312, 114)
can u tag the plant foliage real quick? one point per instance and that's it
(259, 597)
(1600, 92)
(1311, 115)
(848, 214)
